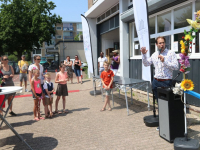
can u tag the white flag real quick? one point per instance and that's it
(142, 27)
(87, 43)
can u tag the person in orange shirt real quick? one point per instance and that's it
(107, 79)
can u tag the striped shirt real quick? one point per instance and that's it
(163, 70)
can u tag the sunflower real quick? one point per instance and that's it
(187, 85)
(187, 37)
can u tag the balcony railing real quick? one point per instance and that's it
(68, 29)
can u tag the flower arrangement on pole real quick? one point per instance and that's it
(186, 48)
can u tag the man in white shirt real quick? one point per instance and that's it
(101, 60)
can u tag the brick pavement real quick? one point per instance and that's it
(85, 127)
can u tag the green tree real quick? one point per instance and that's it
(25, 24)
(76, 38)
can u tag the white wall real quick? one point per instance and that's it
(108, 39)
(124, 41)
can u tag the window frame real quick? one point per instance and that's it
(58, 27)
(58, 35)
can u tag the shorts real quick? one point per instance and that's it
(77, 72)
(62, 90)
(23, 76)
(107, 92)
(47, 101)
(40, 95)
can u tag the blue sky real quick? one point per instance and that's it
(70, 10)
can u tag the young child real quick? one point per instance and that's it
(61, 79)
(37, 93)
(48, 91)
(107, 80)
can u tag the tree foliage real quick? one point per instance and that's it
(26, 23)
(77, 37)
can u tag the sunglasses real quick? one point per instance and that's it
(5, 59)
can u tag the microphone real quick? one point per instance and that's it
(159, 51)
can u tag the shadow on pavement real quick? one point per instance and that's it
(23, 114)
(24, 123)
(193, 134)
(137, 106)
(79, 109)
(39, 143)
(86, 81)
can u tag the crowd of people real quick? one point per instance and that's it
(42, 88)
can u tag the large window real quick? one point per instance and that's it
(180, 16)
(164, 22)
(170, 24)
(79, 26)
(152, 25)
(68, 27)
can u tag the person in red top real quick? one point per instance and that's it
(107, 80)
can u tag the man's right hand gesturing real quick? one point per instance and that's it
(143, 50)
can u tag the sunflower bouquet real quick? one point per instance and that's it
(186, 48)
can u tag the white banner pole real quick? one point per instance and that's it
(87, 44)
(142, 26)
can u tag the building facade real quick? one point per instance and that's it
(112, 22)
(63, 43)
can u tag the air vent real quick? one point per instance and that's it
(108, 13)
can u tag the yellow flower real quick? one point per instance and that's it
(181, 42)
(194, 24)
(187, 85)
(183, 51)
(198, 12)
(187, 37)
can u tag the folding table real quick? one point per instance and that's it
(127, 84)
(5, 91)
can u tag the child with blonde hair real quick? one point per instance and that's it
(48, 91)
(107, 79)
(37, 93)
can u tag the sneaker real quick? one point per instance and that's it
(26, 90)
(157, 129)
(12, 113)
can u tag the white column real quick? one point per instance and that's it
(124, 41)
(93, 33)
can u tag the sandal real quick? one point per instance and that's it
(42, 118)
(55, 112)
(110, 109)
(65, 111)
(47, 117)
(36, 119)
(103, 109)
(51, 115)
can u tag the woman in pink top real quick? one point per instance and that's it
(61, 79)
(37, 93)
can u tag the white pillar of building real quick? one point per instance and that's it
(93, 33)
(124, 41)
